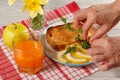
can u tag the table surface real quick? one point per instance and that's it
(14, 14)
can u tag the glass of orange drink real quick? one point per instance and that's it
(28, 52)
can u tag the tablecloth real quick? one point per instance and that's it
(51, 70)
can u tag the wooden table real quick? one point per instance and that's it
(14, 14)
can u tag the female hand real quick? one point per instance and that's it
(106, 16)
(106, 50)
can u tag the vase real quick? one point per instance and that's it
(38, 22)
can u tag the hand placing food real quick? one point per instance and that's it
(106, 50)
(107, 16)
(103, 49)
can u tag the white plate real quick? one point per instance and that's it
(51, 53)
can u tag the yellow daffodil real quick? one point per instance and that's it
(33, 7)
(10, 2)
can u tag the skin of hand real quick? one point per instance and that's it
(106, 16)
(106, 50)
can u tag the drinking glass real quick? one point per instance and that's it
(28, 52)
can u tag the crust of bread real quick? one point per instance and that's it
(59, 36)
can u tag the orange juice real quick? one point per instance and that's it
(29, 55)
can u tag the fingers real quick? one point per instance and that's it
(107, 65)
(79, 17)
(96, 51)
(77, 22)
(86, 27)
(98, 58)
(88, 24)
(100, 32)
(97, 55)
(98, 43)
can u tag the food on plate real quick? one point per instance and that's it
(72, 54)
(59, 36)
(67, 40)
(11, 31)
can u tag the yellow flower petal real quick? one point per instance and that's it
(43, 2)
(33, 7)
(41, 11)
(10, 2)
(32, 14)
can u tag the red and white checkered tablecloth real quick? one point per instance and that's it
(52, 70)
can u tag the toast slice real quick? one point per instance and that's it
(59, 36)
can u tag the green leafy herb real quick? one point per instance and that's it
(64, 20)
(77, 38)
(85, 44)
(67, 25)
(71, 49)
(80, 30)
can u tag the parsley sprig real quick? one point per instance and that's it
(71, 49)
(67, 25)
(85, 44)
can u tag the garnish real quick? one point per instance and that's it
(67, 25)
(80, 30)
(64, 20)
(85, 44)
(71, 49)
(77, 38)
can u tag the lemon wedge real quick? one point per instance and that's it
(81, 55)
(74, 60)
(84, 51)
(43, 2)
(60, 56)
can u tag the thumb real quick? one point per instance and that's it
(100, 32)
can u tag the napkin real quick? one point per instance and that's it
(52, 70)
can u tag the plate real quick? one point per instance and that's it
(50, 52)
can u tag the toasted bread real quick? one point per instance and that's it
(59, 36)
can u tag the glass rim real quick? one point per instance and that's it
(30, 37)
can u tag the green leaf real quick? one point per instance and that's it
(80, 30)
(71, 49)
(68, 26)
(85, 44)
(77, 38)
(64, 20)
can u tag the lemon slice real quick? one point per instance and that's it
(43, 2)
(81, 55)
(74, 60)
(60, 56)
(84, 51)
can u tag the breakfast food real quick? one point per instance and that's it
(79, 56)
(68, 42)
(59, 36)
